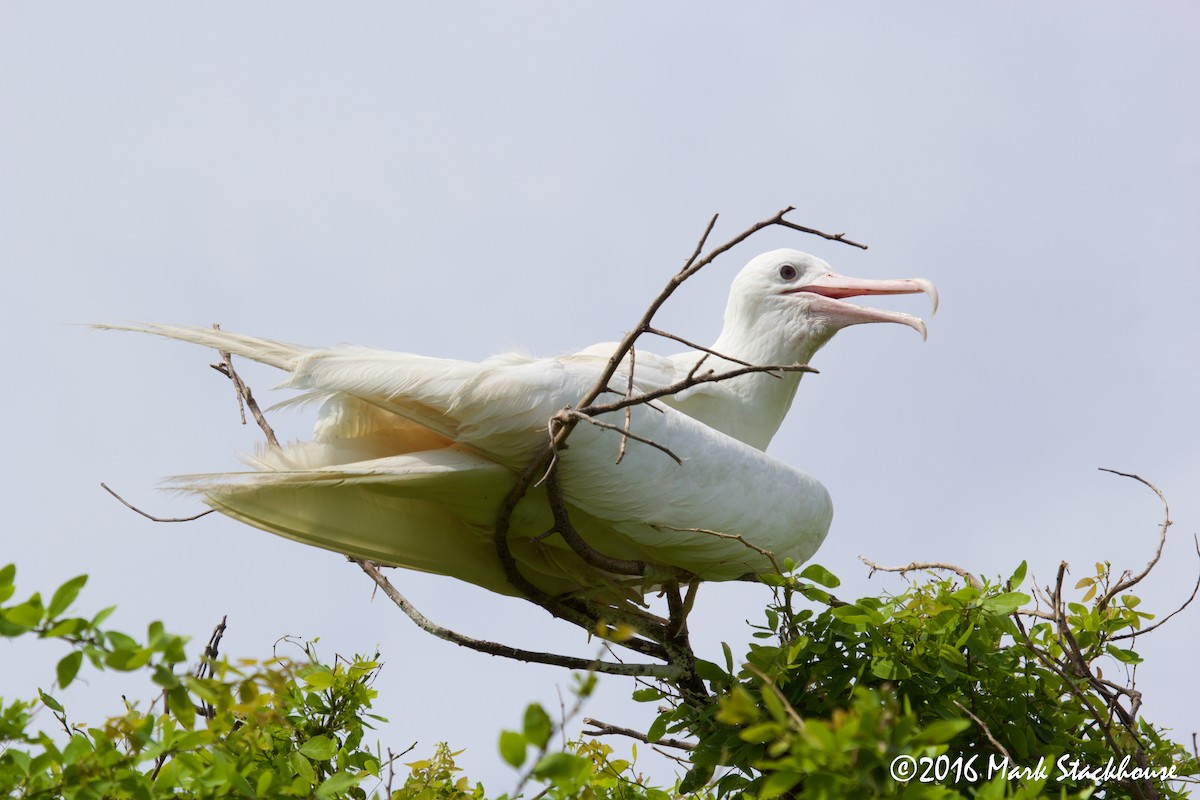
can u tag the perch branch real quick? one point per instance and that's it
(505, 651)
(562, 524)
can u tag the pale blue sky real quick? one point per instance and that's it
(456, 179)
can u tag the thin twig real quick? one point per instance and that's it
(737, 537)
(787, 706)
(628, 408)
(243, 394)
(1186, 603)
(687, 343)
(688, 382)
(1122, 585)
(912, 566)
(624, 433)
(132, 507)
(605, 729)
(700, 244)
(983, 727)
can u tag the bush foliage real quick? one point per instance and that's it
(833, 700)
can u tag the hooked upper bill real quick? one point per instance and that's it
(832, 288)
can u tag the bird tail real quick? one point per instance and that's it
(281, 355)
(431, 511)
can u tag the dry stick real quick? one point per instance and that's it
(628, 408)
(916, 565)
(243, 393)
(691, 380)
(496, 649)
(986, 731)
(1186, 603)
(205, 667)
(1162, 540)
(132, 507)
(625, 434)
(605, 729)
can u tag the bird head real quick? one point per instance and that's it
(785, 305)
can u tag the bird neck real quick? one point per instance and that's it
(763, 399)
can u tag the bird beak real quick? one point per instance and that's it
(832, 288)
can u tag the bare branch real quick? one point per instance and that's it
(983, 727)
(605, 729)
(916, 565)
(244, 394)
(628, 408)
(495, 649)
(737, 537)
(779, 695)
(564, 528)
(624, 433)
(132, 507)
(1122, 585)
(700, 244)
(688, 382)
(835, 237)
(657, 332)
(1161, 622)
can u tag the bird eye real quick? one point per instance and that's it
(788, 272)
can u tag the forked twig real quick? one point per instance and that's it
(132, 507)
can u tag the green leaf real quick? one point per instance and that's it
(302, 767)
(76, 748)
(647, 695)
(68, 668)
(27, 614)
(562, 767)
(777, 784)
(336, 784)
(180, 703)
(513, 748)
(320, 679)
(65, 595)
(818, 574)
(1005, 603)
(943, 730)
(1018, 577)
(319, 748)
(537, 725)
(50, 702)
(657, 729)
(1124, 656)
(103, 615)
(7, 575)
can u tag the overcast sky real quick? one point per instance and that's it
(456, 179)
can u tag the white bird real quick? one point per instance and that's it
(783, 307)
(412, 456)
